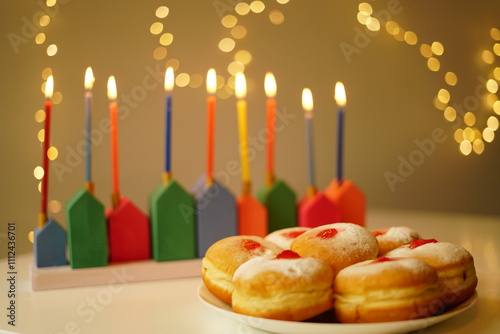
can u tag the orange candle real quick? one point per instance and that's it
(113, 115)
(211, 100)
(270, 88)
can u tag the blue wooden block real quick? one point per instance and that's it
(216, 216)
(50, 243)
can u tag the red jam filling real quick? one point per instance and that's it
(382, 259)
(377, 233)
(287, 254)
(292, 234)
(419, 242)
(250, 244)
(328, 233)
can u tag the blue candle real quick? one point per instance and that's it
(340, 98)
(89, 82)
(169, 85)
(307, 105)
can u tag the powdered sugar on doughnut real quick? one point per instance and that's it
(301, 267)
(375, 268)
(436, 254)
(402, 233)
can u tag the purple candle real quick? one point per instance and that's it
(340, 98)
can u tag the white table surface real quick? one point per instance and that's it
(172, 306)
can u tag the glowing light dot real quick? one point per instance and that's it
(495, 34)
(496, 73)
(496, 49)
(40, 38)
(392, 27)
(196, 80)
(242, 8)
(156, 28)
(174, 63)
(160, 53)
(57, 97)
(239, 32)
(243, 57)
(227, 45)
(451, 78)
(229, 21)
(488, 57)
(478, 146)
(52, 153)
(162, 12)
(496, 107)
(433, 64)
(450, 114)
(437, 48)
(425, 50)
(488, 135)
(410, 38)
(46, 73)
(166, 39)
(257, 7)
(400, 35)
(44, 21)
(41, 135)
(235, 67)
(458, 135)
(491, 99)
(492, 86)
(40, 116)
(444, 95)
(492, 123)
(469, 119)
(438, 103)
(38, 172)
(54, 206)
(51, 50)
(373, 24)
(465, 147)
(31, 237)
(468, 134)
(282, 2)
(182, 80)
(276, 17)
(363, 17)
(366, 8)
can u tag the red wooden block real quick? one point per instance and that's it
(317, 211)
(128, 233)
(252, 216)
(350, 200)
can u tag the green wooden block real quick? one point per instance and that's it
(173, 223)
(87, 231)
(281, 203)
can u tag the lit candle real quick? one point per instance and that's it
(113, 115)
(270, 88)
(241, 91)
(89, 82)
(169, 86)
(211, 100)
(307, 105)
(340, 98)
(49, 89)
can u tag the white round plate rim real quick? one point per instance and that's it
(291, 327)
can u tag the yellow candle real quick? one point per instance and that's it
(241, 106)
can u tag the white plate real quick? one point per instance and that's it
(291, 327)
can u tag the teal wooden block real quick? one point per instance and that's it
(173, 223)
(216, 216)
(49, 246)
(281, 203)
(87, 231)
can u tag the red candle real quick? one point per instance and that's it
(49, 89)
(113, 115)
(211, 100)
(270, 88)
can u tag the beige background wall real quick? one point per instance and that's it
(390, 95)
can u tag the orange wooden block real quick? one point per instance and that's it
(128, 233)
(252, 216)
(350, 200)
(317, 211)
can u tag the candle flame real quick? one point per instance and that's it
(89, 78)
(211, 81)
(49, 87)
(340, 97)
(307, 101)
(169, 79)
(240, 85)
(112, 88)
(270, 85)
